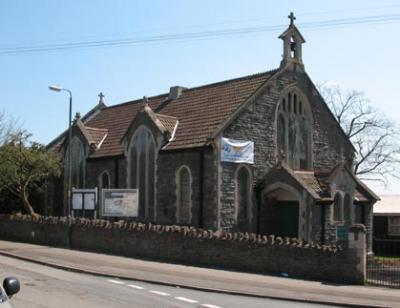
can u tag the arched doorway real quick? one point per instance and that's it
(279, 213)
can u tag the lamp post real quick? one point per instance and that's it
(58, 88)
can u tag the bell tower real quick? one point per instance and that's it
(292, 44)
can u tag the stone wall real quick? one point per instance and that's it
(240, 251)
(215, 207)
(169, 163)
(368, 223)
(24, 229)
(203, 186)
(95, 167)
(257, 123)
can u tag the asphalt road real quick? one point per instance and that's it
(43, 286)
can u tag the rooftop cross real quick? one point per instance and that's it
(292, 18)
(101, 95)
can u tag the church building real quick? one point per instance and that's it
(298, 181)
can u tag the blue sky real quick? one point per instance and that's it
(363, 57)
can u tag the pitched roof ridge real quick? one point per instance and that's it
(88, 115)
(137, 101)
(232, 80)
(209, 85)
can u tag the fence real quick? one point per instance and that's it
(384, 267)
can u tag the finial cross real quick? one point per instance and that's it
(292, 18)
(101, 95)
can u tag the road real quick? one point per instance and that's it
(43, 286)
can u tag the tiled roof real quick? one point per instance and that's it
(314, 184)
(96, 134)
(317, 183)
(168, 122)
(200, 111)
(359, 196)
(56, 143)
(117, 120)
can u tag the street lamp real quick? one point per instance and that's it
(58, 88)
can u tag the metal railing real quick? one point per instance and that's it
(384, 267)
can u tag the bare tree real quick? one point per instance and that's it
(8, 127)
(374, 136)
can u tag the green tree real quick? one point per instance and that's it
(24, 165)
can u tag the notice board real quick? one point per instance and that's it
(120, 202)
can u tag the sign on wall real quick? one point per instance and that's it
(342, 233)
(84, 199)
(120, 202)
(237, 151)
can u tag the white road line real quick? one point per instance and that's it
(115, 281)
(135, 287)
(210, 306)
(184, 299)
(159, 293)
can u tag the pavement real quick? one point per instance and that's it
(211, 280)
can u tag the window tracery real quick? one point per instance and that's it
(77, 163)
(293, 130)
(142, 169)
(347, 208)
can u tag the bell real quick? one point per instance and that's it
(293, 46)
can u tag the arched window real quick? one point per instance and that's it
(337, 208)
(243, 194)
(347, 208)
(142, 170)
(184, 196)
(77, 163)
(281, 134)
(293, 130)
(104, 180)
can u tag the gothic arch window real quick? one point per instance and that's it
(281, 134)
(294, 130)
(183, 195)
(77, 163)
(337, 208)
(347, 208)
(141, 169)
(243, 194)
(104, 180)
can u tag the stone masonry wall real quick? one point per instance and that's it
(96, 167)
(240, 251)
(368, 223)
(257, 123)
(168, 165)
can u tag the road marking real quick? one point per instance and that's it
(135, 287)
(210, 306)
(159, 293)
(184, 299)
(115, 281)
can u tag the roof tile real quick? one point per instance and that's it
(199, 110)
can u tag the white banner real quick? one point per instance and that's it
(237, 151)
